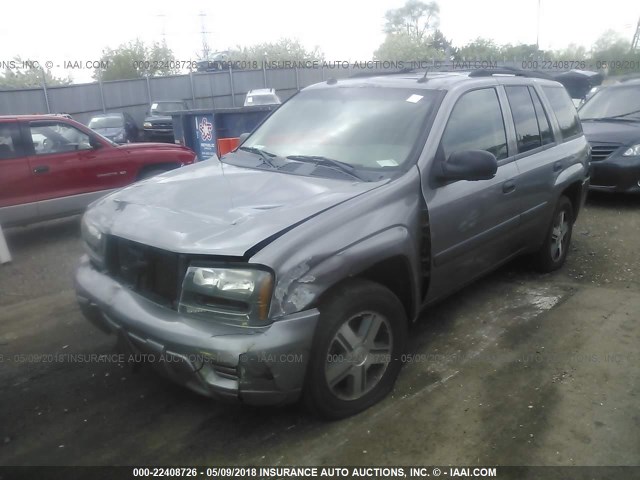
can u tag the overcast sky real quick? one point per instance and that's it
(343, 29)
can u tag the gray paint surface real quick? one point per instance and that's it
(341, 228)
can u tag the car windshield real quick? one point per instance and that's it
(365, 127)
(262, 100)
(617, 102)
(162, 107)
(112, 121)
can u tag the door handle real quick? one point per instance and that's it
(557, 166)
(508, 186)
(41, 169)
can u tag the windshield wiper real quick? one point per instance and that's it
(266, 156)
(328, 162)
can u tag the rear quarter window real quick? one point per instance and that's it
(564, 111)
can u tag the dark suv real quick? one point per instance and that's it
(294, 265)
(611, 121)
(158, 124)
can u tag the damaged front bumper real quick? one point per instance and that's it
(257, 365)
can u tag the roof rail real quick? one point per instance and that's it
(488, 72)
(379, 74)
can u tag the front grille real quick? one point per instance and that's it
(601, 152)
(151, 272)
(161, 125)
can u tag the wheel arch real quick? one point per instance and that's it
(164, 167)
(574, 193)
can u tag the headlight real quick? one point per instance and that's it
(233, 295)
(632, 151)
(93, 240)
(146, 125)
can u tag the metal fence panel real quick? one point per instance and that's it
(245, 80)
(22, 102)
(125, 93)
(281, 79)
(76, 98)
(171, 88)
(309, 76)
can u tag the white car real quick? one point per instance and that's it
(262, 96)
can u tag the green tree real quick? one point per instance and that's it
(479, 49)
(570, 53)
(27, 74)
(136, 60)
(614, 51)
(415, 19)
(401, 47)
(521, 51)
(442, 44)
(412, 34)
(285, 49)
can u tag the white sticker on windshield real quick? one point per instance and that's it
(388, 163)
(414, 98)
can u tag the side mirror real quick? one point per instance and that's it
(243, 137)
(469, 165)
(95, 144)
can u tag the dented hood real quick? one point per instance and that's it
(216, 208)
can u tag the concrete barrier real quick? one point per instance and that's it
(5, 255)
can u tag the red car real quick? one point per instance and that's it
(54, 166)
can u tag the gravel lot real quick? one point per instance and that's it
(518, 369)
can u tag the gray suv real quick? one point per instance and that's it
(294, 266)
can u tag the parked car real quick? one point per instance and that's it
(52, 167)
(118, 127)
(611, 122)
(262, 96)
(293, 266)
(158, 125)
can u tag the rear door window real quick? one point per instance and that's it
(564, 110)
(543, 122)
(524, 118)
(9, 141)
(476, 123)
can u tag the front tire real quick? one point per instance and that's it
(554, 251)
(150, 173)
(356, 354)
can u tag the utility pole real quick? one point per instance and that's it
(206, 49)
(635, 43)
(538, 29)
(163, 31)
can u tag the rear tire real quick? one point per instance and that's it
(356, 353)
(553, 252)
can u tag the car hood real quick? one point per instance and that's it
(218, 209)
(158, 118)
(611, 132)
(109, 132)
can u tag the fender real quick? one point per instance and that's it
(302, 287)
